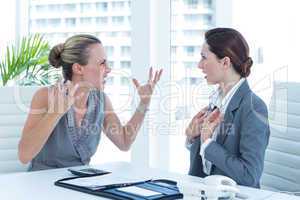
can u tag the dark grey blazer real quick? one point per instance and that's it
(240, 147)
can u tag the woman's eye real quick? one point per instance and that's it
(103, 63)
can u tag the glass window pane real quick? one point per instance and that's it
(101, 6)
(70, 22)
(188, 25)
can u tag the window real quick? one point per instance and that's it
(41, 23)
(111, 64)
(207, 3)
(192, 18)
(109, 50)
(195, 81)
(125, 51)
(54, 8)
(125, 81)
(69, 7)
(190, 65)
(87, 21)
(101, 7)
(187, 32)
(192, 33)
(125, 33)
(85, 7)
(260, 56)
(189, 50)
(41, 8)
(101, 21)
(125, 64)
(119, 20)
(110, 80)
(191, 3)
(118, 5)
(70, 22)
(129, 19)
(207, 20)
(54, 23)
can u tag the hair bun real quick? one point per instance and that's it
(246, 67)
(55, 55)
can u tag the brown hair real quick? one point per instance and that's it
(74, 50)
(227, 42)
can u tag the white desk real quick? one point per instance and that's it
(40, 185)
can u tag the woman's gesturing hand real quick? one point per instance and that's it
(145, 91)
(61, 97)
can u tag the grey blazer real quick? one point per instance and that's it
(239, 149)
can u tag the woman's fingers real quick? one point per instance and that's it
(159, 74)
(213, 115)
(202, 112)
(155, 77)
(136, 83)
(150, 74)
(151, 80)
(216, 122)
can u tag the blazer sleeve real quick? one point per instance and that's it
(246, 168)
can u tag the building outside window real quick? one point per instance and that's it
(101, 6)
(125, 51)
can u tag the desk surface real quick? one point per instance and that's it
(40, 185)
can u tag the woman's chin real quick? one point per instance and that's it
(210, 82)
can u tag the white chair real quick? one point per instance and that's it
(282, 160)
(14, 105)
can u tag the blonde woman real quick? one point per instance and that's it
(65, 122)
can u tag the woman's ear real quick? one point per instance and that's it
(226, 62)
(77, 69)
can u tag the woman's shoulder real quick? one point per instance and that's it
(253, 101)
(40, 97)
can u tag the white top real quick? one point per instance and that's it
(40, 184)
(216, 99)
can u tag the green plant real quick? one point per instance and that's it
(27, 63)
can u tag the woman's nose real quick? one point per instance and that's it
(200, 65)
(107, 69)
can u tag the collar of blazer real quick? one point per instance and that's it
(232, 106)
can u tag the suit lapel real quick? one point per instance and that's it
(234, 104)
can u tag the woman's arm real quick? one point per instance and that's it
(38, 126)
(47, 107)
(123, 136)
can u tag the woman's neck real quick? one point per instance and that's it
(81, 95)
(228, 83)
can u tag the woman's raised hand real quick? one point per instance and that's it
(145, 91)
(61, 97)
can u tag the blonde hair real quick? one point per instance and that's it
(74, 50)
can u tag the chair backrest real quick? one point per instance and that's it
(282, 160)
(14, 106)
